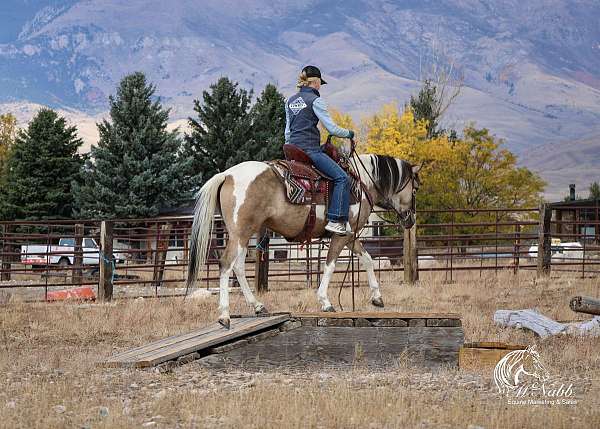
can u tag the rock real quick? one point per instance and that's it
(133, 386)
(103, 411)
(11, 404)
(200, 294)
(59, 409)
(148, 424)
(475, 427)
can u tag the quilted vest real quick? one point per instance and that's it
(304, 132)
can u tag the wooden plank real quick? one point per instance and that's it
(494, 345)
(477, 358)
(160, 256)
(411, 259)
(347, 346)
(585, 304)
(105, 283)
(78, 254)
(261, 266)
(376, 315)
(544, 255)
(180, 345)
(196, 335)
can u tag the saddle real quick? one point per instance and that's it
(305, 185)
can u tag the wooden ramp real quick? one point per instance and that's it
(193, 342)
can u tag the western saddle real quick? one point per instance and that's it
(305, 185)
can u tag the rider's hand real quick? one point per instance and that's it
(351, 136)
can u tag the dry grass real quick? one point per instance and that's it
(47, 357)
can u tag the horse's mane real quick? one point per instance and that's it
(390, 173)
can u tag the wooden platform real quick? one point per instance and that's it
(193, 342)
(376, 339)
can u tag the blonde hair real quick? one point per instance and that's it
(304, 80)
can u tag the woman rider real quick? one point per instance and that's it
(303, 111)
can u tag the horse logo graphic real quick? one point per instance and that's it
(516, 367)
(297, 105)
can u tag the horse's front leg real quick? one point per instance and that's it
(358, 249)
(335, 247)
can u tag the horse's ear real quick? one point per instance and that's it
(416, 168)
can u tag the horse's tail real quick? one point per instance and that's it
(206, 202)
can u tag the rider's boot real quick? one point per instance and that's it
(337, 228)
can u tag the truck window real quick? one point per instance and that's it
(89, 243)
(67, 242)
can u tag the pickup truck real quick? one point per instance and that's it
(64, 253)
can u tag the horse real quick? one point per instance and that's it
(251, 197)
(510, 371)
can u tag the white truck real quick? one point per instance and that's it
(63, 253)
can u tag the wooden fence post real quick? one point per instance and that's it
(105, 284)
(6, 257)
(162, 246)
(78, 255)
(411, 262)
(544, 254)
(261, 267)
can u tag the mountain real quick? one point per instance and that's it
(564, 163)
(531, 69)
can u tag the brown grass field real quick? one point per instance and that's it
(48, 355)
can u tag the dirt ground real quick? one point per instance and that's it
(48, 355)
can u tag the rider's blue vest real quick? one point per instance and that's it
(304, 132)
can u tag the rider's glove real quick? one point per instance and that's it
(351, 136)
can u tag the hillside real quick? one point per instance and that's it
(561, 164)
(532, 69)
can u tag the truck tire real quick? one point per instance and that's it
(64, 261)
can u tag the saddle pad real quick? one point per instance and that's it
(304, 184)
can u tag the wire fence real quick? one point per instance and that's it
(150, 256)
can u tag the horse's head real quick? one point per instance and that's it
(396, 183)
(532, 364)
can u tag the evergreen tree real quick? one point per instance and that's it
(268, 125)
(595, 191)
(137, 167)
(42, 165)
(8, 131)
(424, 107)
(220, 135)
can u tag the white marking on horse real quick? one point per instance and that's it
(322, 291)
(243, 175)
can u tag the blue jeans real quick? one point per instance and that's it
(340, 198)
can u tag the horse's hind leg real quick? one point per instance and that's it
(226, 264)
(239, 268)
(358, 249)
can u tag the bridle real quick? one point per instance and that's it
(403, 215)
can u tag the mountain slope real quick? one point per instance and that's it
(531, 68)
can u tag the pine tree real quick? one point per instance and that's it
(137, 167)
(220, 135)
(268, 125)
(424, 107)
(8, 132)
(42, 165)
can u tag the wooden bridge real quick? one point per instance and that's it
(377, 339)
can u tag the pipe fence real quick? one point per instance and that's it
(148, 257)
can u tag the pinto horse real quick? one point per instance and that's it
(251, 197)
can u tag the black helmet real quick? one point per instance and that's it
(313, 71)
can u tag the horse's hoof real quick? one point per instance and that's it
(226, 323)
(261, 310)
(377, 302)
(329, 309)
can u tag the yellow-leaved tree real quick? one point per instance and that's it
(343, 120)
(474, 171)
(396, 134)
